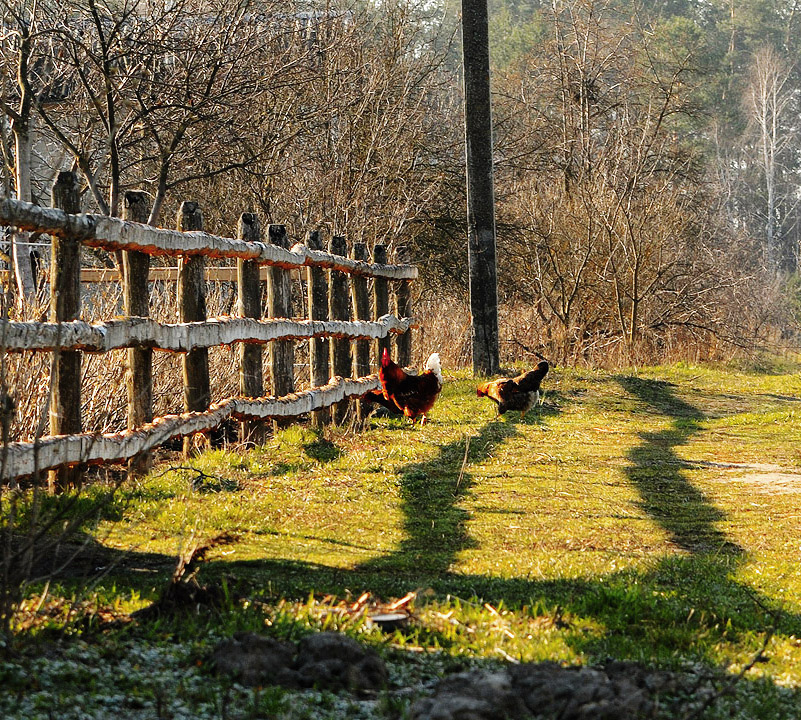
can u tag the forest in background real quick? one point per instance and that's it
(646, 153)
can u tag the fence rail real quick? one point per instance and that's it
(183, 337)
(108, 233)
(167, 273)
(335, 282)
(28, 458)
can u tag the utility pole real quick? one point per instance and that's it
(480, 193)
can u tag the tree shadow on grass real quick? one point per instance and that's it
(435, 524)
(656, 471)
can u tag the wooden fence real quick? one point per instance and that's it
(336, 376)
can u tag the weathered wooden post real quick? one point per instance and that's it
(381, 296)
(65, 306)
(319, 370)
(192, 308)
(279, 293)
(403, 309)
(340, 310)
(481, 245)
(136, 295)
(251, 374)
(361, 308)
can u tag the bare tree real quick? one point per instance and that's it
(606, 212)
(770, 100)
(25, 80)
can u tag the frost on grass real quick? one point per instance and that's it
(172, 681)
(140, 682)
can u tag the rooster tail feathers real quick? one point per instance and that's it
(433, 365)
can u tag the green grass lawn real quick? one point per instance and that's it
(651, 515)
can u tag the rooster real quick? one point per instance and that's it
(518, 393)
(413, 395)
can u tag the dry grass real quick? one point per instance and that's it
(527, 335)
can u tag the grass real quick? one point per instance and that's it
(649, 515)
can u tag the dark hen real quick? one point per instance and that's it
(518, 393)
(376, 397)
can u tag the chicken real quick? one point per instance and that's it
(377, 397)
(518, 393)
(414, 395)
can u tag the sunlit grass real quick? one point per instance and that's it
(636, 515)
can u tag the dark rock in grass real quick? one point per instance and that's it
(328, 661)
(332, 661)
(473, 695)
(255, 660)
(621, 691)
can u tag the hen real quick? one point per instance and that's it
(377, 397)
(518, 393)
(413, 395)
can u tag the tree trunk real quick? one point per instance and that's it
(251, 372)
(136, 297)
(318, 310)
(361, 309)
(192, 308)
(339, 309)
(21, 256)
(381, 297)
(403, 308)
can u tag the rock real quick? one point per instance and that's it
(544, 690)
(332, 661)
(327, 661)
(474, 695)
(254, 659)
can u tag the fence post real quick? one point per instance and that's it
(361, 309)
(192, 308)
(403, 309)
(65, 306)
(282, 352)
(319, 370)
(136, 296)
(340, 310)
(251, 375)
(381, 293)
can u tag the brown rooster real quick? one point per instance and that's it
(518, 393)
(413, 395)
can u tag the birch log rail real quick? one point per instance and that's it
(110, 233)
(183, 337)
(26, 458)
(67, 450)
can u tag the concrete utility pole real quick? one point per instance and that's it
(480, 193)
